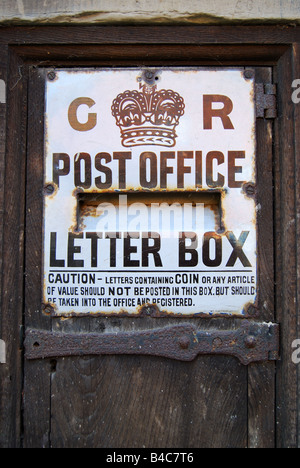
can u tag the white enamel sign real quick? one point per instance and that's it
(145, 204)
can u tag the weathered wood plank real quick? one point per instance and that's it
(3, 77)
(3, 82)
(286, 255)
(150, 34)
(37, 381)
(13, 253)
(147, 402)
(137, 54)
(261, 418)
(297, 210)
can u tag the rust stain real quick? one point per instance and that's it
(50, 190)
(49, 309)
(249, 342)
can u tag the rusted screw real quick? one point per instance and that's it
(249, 189)
(248, 74)
(49, 189)
(184, 342)
(47, 309)
(250, 342)
(51, 75)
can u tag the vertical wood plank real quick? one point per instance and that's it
(286, 255)
(261, 383)
(37, 374)
(13, 253)
(296, 76)
(3, 76)
(125, 401)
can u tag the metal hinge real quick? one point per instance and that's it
(250, 342)
(266, 102)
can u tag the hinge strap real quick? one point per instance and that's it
(251, 342)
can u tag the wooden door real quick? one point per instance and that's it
(144, 401)
(136, 401)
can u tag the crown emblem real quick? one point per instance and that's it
(148, 117)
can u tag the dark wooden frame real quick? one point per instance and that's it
(24, 52)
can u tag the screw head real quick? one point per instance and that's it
(51, 75)
(249, 189)
(250, 342)
(248, 74)
(149, 75)
(184, 342)
(49, 189)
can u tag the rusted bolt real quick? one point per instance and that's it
(217, 342)
(47, 309)
(250, 342)
(51, 75)
(249, 189)
(184, 342)
(49, 189)
(253, 311)
(248, 74)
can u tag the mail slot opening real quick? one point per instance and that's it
(167, 213)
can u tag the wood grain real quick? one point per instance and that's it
(296, 76)
(3, 371)
(151, 34)
(37, 374)
(13, 253)
(286, 255)
(149, 402)
(261, 378)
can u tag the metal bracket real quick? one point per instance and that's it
(266, 102)
(251, 342)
